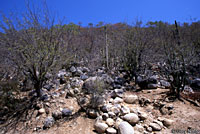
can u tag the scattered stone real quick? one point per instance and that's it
(143, 115)
(117, 93)
(155, 126)
(153, 79)
(106, 108)
(125, 128)
(131, 118)
(119, 81)
(110, 122)
(159, 123)
(165, 84)
(78, 72)
(195, 85)
(41, 111)
(168, 122)
(111, 130)
(84, 77)
(66, 112)
(49, 121)
(164, 111)
(149, 129)
(117, 100)
(61, 73)
(117, 122)
(116, 110)
(111, 114)
(139, 128)
(85, 69)
(73, 69)
(125, 110)
(105, 116)
(92, 113)
(100, 127)
(57, 115)
(188, 89)
(44, 97)
(131, 99)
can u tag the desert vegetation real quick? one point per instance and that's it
(38, 55)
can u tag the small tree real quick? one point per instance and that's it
(33, 44)
(177, 56)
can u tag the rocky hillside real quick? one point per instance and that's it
(79, 100)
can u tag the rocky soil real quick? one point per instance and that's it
(79, 101)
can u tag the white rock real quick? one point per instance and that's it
(131, 99)
(117, 100)
(41, 111)
(111, 130)
(110, 122)
(125, 128)
(131, 118)
(100, 127)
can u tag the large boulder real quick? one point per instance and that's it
(125, 128)
(131, 118)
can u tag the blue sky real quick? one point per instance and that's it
(113, 11)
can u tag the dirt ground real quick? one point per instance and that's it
(185, 115)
